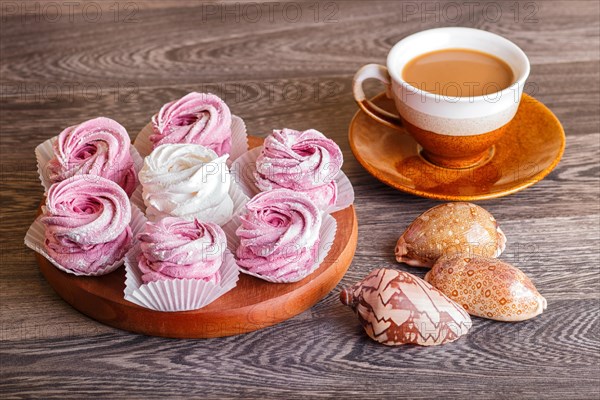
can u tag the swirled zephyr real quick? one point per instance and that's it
(198, 118)
(188, 181)
(175, 248)
(100, 146)
(87, 223)
(302, 161)
(279, 235)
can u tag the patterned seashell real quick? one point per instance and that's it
(487, 287)
(449, 229)
(397, 308)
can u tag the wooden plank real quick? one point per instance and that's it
(298, 74)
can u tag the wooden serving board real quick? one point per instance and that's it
(253, 304)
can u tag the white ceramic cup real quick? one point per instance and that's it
(454, 131)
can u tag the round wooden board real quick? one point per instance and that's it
(253, 304)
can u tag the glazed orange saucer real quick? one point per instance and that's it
(529, 150)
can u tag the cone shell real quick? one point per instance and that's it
(487, 287)
(449, 229)
(397, 308)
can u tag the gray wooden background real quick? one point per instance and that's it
(290, 65)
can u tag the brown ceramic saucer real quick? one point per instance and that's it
(529, 150)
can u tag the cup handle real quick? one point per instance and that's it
(379, 72)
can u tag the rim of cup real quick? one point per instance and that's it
(397, 49)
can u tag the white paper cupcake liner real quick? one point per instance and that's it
(239, 139)
(34, 239)
(236, 193)
(44, 152)
(326, 236)
(176, 294)
(243, 169)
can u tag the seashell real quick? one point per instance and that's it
(448, 229)
(487, 287)
(397, 308)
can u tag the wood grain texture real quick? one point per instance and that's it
(276, 72)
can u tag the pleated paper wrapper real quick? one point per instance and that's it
(239, 139)
(176, 294)
(236, 193)
(44, 152)
(244, 167)
(326, 236)
(34, 239)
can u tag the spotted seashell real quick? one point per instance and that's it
(448, 229)
(398, 308)
(487, 287)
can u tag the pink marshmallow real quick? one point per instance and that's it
(304, 161)
(87, 223)
(279, 235)
(99, 146)
(175, 248)
(197, 118)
